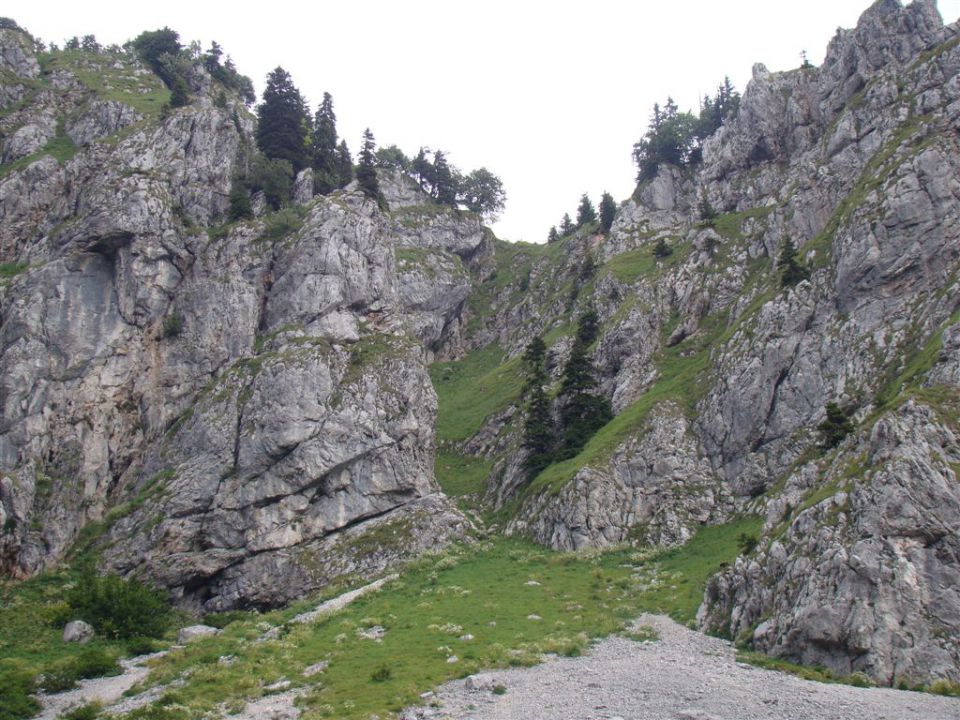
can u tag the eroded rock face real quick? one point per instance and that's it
(238, 408)
(866, 579)
(725, 373)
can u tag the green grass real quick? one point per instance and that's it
(481, 591)
(32, 614)
(144, 93)
(630, 266)
(730, 225)
(472, 389)
(460, 475)
(11, 270)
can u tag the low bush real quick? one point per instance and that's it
(120, 608)
(16, 686)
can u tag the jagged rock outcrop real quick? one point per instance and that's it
(720, 375)
(236, 410)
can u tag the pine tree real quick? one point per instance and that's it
(553, 236)
(585, 212)
(835, 427)
(608, 211)
(283, 121)
(538, 433)
(791, 271)
(366, 168)
(566, 225)
(582, 412)
(446, 182)
(323, 150)
(344, 165)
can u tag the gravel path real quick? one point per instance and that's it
(106, 690)
(683, 676)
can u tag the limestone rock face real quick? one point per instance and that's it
(720, 374)
(236, 408)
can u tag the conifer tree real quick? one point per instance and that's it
(326, 175)
(344, 164)
(566, 225)
(445, 180)
(582, 411)
(283, 122)
(366, 167)
(791, 271)
(608, 211)
(553, 235)
(538, 433)
(585, 212)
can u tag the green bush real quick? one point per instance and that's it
(119, 608)
(90, 663)
(381, 674)
(16, 684)
(90, 711)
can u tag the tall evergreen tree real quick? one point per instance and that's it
(553, 235)
(791, 271)
(283, 122)
(585, 212)
(566, 225)
(326, 176)
(446, 182)
(582, 412)
(608, 211)
(366, 168)
(538, 432)
(344, 164)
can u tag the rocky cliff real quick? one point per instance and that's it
(242, 411)
(720, 374)
(228, 410)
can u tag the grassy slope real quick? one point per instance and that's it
(480, 591)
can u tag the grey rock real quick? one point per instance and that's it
(78, 631)
(193, 632)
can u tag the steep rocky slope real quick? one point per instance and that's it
(720, 375)
(230, 407)
(242, 411)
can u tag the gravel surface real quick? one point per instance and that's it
(683, 676)
(106, 690)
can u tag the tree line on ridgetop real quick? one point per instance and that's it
(291, 140)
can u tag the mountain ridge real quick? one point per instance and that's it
(229, 408)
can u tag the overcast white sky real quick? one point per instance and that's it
(550, 97)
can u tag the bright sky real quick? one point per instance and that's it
(549, 96)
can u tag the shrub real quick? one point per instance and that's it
(661, 250)
(172, 325)
(746, 543)
(381, 674)
(16, 684)
(90, 711)
(120, 608)
(835, 427)
(499, 689)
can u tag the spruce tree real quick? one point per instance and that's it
(366, 168)
(585, 212)
(538, 433)
(283, 121)
(791, 271)
(446, 183)
(566, 225)
(344, 165)
(608, 211)
(582, 412)
(553, 236)
(323, 150)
